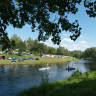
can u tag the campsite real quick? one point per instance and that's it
(47, 47)
(30, 59)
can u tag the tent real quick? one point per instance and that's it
(37, 59)
(2, 57)
(30, 58)
(14, 60)
(20, 60)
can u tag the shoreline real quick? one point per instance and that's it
(78, 84)
(42, 60)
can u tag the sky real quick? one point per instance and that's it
(86, 40)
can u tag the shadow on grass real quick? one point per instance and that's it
(75, 86)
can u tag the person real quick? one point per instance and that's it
(68, 67)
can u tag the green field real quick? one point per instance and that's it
(77, 85)
(42, 60)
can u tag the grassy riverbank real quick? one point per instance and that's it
(77, 85)
(42, 60)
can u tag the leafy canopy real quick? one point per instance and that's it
(37, 14)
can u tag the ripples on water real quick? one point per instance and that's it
(15, 78)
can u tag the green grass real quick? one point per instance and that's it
(42, 60)
(17, 56)
(77, 85)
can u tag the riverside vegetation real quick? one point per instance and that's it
(77, 85)
(42, 60)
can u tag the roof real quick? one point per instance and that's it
(1, 55)
(30, 58)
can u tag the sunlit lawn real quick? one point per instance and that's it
(42, 60)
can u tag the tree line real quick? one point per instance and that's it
(37, 13)
(90, 53)
(34, 46)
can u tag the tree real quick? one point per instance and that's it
(76, 53)
(66, 52)
(42, 48)
(93, 52)
(51, 50)
(29, 44)
(90, 53)
(5, 42)
(60, 50)
(22, 46)
(37, 13)
(17, 40)
(34, 48)
(13, 44)
(87, 53)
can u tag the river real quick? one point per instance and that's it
(15, 78)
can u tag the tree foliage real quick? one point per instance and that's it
(22, 46)
(5, 42)
(13, 44)
(52, 50)
(33, 46)
(42, 48)
(29, 44)
(60, 50)
(76, 53)
(90, 53)
(17, 40)
(37, 14)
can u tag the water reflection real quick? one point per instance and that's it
(15, 78)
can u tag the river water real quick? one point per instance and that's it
(15, 78)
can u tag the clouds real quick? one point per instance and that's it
(83, 42)
(67, 40)
(71, 47)
(80, 44)
(86, 46)
(64, 34)
(49, 43)
(75, 46)
(64, 45)
(81, 36)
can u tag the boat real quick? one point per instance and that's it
(44, 68)
(70, 68)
